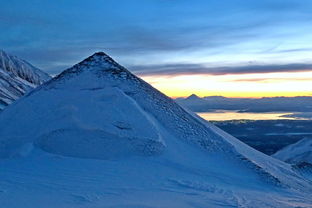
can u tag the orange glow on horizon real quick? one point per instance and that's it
(288, 84)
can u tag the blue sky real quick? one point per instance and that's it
(162, 36)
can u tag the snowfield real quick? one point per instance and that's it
(98, 136)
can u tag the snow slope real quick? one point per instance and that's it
(16, 78)
(299, 155)
(98, 136)
(296, 153)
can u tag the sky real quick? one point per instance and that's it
(234, 48)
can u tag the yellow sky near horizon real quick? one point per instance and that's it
(254, 85)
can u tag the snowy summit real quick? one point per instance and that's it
(98, 136)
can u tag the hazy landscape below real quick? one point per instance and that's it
(226, 115)
(266, 124)
(300, 106)
(267, 136)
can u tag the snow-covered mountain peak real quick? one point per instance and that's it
(193, 96)
(99, 110)
(99, 61)
(22, 69)
(17, 77)
(90, 69)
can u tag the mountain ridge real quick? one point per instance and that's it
(17, 77)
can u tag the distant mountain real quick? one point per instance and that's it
(193, 100)
(266, 104)
(17, 77)
(98, 136)
(193, 97)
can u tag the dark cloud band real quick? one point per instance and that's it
(175, 69)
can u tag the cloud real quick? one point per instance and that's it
(180, 69)
(53, 55)
(294, 50)
(54, 36)
(271, 79)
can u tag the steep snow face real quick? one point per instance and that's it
(299, 152)
(16, 78)
(147, 145)
(299, 155)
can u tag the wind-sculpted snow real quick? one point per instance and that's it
(16, 78)
(104, 145)
(118, 126)
(147, 144)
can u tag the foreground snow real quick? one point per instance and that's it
(198, 180)
(97, 136)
